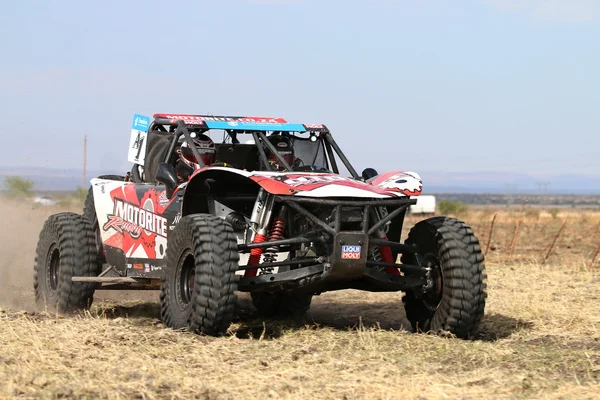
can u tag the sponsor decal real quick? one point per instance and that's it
(314, 126)
(102, 186)
(175, 221)
(137, 140)
(351, 252)
(258, 125)
(310, 180)
(129, 218)
(140, 123)
(201, 119)
(163, 201)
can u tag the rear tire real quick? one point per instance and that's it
(457, 301)
(199, 292)
(65, 249)
(281, 304)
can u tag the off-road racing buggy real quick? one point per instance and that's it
(271, 215)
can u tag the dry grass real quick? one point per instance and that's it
(540, 338)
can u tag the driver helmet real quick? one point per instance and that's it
(206, 148)
(283, 144)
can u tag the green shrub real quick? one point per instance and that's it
(554, 212)
(18, 187)
(80, 194)
(449, 207)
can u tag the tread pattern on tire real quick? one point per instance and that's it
(464, 288)
(76, 243)
(216, 256)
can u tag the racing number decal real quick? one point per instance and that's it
(137, 142)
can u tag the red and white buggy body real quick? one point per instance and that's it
(135, 219)
(281, 228)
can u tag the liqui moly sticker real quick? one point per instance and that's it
(351, 252)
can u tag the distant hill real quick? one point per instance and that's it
(52, 179)
(56, 179)
(508, 183)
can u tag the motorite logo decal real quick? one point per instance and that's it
(129, 218)
(201, 118)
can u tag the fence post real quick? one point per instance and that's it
(513, 243)
(489, 242)
(554, 241)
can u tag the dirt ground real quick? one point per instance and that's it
(540, 337)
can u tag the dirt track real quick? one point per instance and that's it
(21, 223)
(540, 338)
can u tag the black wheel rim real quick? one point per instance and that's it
(432, 298)
(53, 268)
(186, 279)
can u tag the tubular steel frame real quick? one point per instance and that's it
(315, 266)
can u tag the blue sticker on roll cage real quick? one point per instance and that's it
(140, 123)
(255, 126)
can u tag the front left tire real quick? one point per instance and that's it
(199, 291)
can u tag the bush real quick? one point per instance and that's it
(449, 207)
(18, 187)
(532, 213)
(554, 212)
(80, 194)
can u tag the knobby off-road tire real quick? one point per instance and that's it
(199, 292)
(457, 302)
(65, 249)
(89, 213)
(281, 304)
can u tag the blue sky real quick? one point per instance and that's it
(423, 85)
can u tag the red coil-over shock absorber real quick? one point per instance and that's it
(277, 231)
(255, 254)
(387, 256)
(261, 216)
(386, 253)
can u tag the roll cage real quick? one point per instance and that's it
(180, 126)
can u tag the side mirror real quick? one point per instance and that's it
(369, 173)
(165, 174)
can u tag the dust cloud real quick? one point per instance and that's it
(21, 223)
(20, 226)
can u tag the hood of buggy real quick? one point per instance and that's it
(312, 184)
